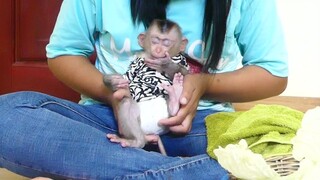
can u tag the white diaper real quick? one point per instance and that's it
(151, 111)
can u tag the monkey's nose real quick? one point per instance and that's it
(158, 50)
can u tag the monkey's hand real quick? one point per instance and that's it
(115, 81)
(165, 65)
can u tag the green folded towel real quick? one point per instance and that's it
(268, 129)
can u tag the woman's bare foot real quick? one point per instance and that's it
(41, 178)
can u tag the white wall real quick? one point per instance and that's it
(301, 23)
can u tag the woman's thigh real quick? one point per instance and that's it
(42, 133)
(37, 105)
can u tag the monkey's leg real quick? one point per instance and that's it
(174, 93)
(129, 125)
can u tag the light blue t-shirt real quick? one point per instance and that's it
(254, 36)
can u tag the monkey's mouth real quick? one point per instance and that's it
(153, 56)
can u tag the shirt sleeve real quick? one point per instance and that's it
(74, 30)
(260, 37)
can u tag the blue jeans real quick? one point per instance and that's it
(41, 135)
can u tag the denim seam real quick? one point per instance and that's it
(196, 134)
(41, 171)
(73, 110)
(163, 170)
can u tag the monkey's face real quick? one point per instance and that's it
(160, 43)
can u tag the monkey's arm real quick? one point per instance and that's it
(169, 65)
(115, 81)
(178, 64)
(174, 68)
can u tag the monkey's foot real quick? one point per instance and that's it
(125, 142)
(174, 93)
(117, 139)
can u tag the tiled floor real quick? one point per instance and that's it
(7, 175)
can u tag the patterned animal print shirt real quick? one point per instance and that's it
(145, 82)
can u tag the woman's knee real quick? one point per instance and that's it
(21, 97)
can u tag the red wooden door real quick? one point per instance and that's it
(25, 28)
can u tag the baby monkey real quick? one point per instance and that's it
(151, 88)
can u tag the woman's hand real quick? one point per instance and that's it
(193, 89)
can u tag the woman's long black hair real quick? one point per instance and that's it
(214, 23)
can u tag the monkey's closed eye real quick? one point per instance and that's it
(155, 40)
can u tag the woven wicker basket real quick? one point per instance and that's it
(283, 165)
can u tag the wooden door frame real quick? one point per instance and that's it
(6, 45)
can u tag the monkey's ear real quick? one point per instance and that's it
(183, 44)
(141, 39)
